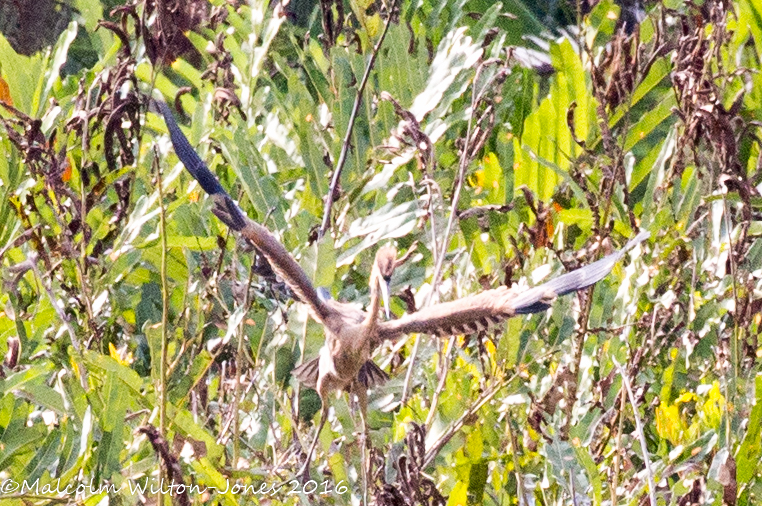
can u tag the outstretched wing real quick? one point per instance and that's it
(534, 299)
(491, 307)
(228, 211)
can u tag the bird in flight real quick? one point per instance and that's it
(344, 361)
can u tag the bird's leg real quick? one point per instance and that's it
(359, 390)
(304, 472)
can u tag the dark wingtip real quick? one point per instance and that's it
(536, 299)
(187, 154)
(642, 236)
(225, 208)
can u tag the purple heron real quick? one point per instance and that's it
(344, 362)
(351, 334)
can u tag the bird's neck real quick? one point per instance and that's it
(371, 321)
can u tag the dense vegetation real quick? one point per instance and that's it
(503, 142)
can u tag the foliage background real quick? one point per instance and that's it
(508, 142)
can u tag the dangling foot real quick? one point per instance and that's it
(304, 472)
(360, 391)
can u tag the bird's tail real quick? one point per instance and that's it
(540, 297)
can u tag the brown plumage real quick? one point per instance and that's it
(491, 307)
(352, 335)
(344, 361)
(340, 355)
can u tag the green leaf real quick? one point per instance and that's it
(43, 395)
(32, 375)
(46, 455)
(194, 243)
(455, 54)
(658, 73)
(191, 377)
(749, 453)
(648, 123)
(59, 58)
(23, 75)
(319, 261)
(477, 481)
(250, 167)
(656, 178)
(190, 429)
(15, 436)
(131, 384)
(545, 132)
(584, 458)
(115, 401)
(23, 440)
(750, 22)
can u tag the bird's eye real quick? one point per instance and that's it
(387, 278)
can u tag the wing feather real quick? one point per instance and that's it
(308, 372)
(370, 375)
(455, 317)
(493, 307)
(228, 211)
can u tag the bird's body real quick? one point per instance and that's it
(349, 339)
(351, 335)
(308, 372)
(341, 358)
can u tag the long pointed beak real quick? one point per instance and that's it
(385, 296)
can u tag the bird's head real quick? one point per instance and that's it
(383, 267)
